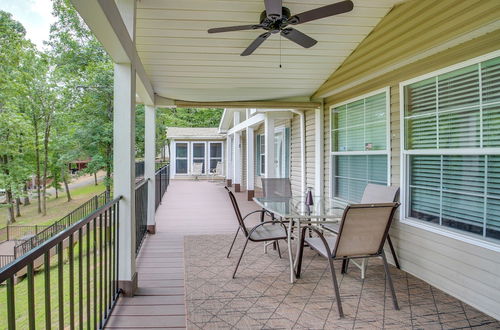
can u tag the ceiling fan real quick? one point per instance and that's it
(277, 18)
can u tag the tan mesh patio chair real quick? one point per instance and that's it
(362, 233)
(264, 232)
(373, 193)
(271, 187)
(197, 170)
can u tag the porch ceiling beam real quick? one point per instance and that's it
(250, 104)
(252, 121)
(105, 21)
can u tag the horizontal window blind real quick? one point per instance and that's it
(359, 146)
(456, 110)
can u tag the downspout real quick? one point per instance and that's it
(302, 147)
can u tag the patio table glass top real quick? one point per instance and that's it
(296, 208)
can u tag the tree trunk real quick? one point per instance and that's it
(66, 187)
(18, 208)
(37, 174)
(26, 195)
(46, 136)
(57, 191)
(95, 178)
(10, 209)
(108, 169)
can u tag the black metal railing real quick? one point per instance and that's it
(162, 180)
(82, 211)
(139, 169)
(18, 232)
(141, 213)
(78, 292)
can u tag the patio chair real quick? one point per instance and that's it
(373, 193)
(362, 234)
(218, 171)
(264, 232)
(197, 170)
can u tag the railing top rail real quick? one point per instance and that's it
(161, 168)
(141, 183)
(10, 269)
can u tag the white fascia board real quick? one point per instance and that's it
(105, 21)
(252, 121)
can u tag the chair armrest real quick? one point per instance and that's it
(257, 211)
(264, 223)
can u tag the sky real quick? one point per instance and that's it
(34, 15)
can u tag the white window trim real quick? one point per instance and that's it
(210, 154)
(261, 153)
(387, 151)
(462, 236)
(187, 158)
(191, 156)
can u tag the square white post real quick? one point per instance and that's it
(237, 161)
(229, 161)
(318, 152)
(250, 164)
(149, 162)
(124, 172)
(269, 166)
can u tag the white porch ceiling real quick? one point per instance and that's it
(184, 62)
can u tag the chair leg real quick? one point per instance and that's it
(345, 264)
(241, 256)
(393, 252)
(336, 288)
(278, 247)
(234, 240)
(301, 253)
(389, 279)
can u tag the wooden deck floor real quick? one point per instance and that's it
(188, 208)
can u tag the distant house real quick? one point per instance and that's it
(195, 145)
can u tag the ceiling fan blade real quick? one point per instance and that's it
(298, 37)
(322, 12)
(273, 9)
(256, 43)
(234, 28)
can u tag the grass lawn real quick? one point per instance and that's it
(56, 207)
(21, 290)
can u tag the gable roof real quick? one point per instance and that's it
(194, 133)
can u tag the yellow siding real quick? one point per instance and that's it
(466, 271)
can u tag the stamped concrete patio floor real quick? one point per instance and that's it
(185, 280)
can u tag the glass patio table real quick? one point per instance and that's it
(297, 213)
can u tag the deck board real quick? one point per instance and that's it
(188, 208)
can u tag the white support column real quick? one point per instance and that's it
(269, 166)
(250, 163)
(149, 163)
(237, 154)
(124, 155)
(229, 161)
(124, 172)
(237, 161)
(318, 152)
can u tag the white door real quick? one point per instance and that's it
(279, 154)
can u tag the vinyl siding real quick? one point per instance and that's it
(243, 161)
(464, 270)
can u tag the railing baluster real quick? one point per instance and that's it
(105, 264)
(31, 296)
(60, 284)
(71, 283)
(80, 279)
(100, 271)
(95, 273)
(11, 309)
(46, 271)
(88, 298)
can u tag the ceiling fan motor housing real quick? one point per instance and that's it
(275, 25)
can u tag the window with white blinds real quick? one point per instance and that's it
(452, 147)
(359, 145)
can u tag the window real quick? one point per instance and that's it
(359, 145)
(451, 154)
(260, 153)
(215, 154)
(181, 157)
(199, 154)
